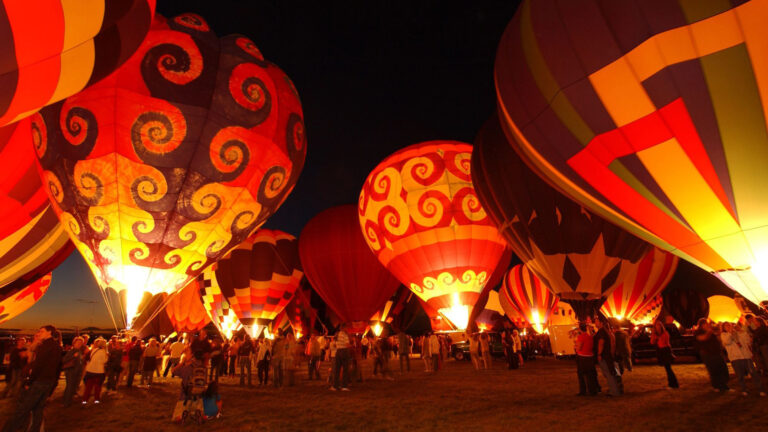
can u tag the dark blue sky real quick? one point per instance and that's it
(373, 77)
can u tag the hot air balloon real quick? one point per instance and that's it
(646, 280)
(216, 304)
(420, 216)
(652, 311)
(52, 49)
(685, 305)
(723, 309)
(578, 255)
(259, 277)
(493, 281)
(526, 295)
(165, 166)
(185, 310)
(341, 268)
(652, 115)
(17, 297)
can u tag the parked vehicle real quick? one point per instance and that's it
(460, 350)
(683, 345)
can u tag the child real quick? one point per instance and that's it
(212, 401)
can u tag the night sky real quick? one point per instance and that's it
(373, 77)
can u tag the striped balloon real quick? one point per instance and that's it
(22, 297)
(260, 276)
(52, 49)
(527, 296)
(643, 282)
(215, 303)
(652, 311)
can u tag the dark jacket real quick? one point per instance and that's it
(47, 364)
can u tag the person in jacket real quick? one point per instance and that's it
(95, 371)
(759, 332)
(585, 362)
(115, 354)
(737, 343)
(474, 350)
(289, 363)
(278, 359)
(263, 354)
(711, 352)
(604, 344)
(244, 351)
(150, 357)
(18, 362)
(43, 378)
(623, 349)
(134, 358)
(314, 352)
(434, 349)
(404, 351)
(660, 339)
(72, 365)
(485, 350)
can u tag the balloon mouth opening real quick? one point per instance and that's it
(457, 314)
(377, 329)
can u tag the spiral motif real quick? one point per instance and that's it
(175, 63)
(430, 208)
(372, 236)
(100, 225)
(458, 164)
(147, 189)
(249, 91)
(206, 205)
(471, 208)
(296, 137)
(193, 21)
(39, 135)
(249, 47)
(55, 189)
(229, 154)
(153, 134)
(424, 169)
(90, 189)
(80, 130)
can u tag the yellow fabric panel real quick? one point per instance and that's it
(76, 68)
(717, 33)
(668, 163)
(34, 257)
(623, 95)
(82, 21)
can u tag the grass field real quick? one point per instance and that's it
(538, 397)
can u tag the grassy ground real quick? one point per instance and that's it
(538, 397)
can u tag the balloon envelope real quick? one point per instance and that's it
(421, 217)
(18, 297)
(260, 276)
(185, 310)
(636, 111)
(52, 49)
(341, 268)
(525, 295)
(163, 167)
(579, 256)
(215, 303)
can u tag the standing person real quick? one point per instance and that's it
(737, 342)
(365, 343)
(217, 357)
(174, 355)
(759, 347)
(43, 377)
(18, 361)
(711, 353)
(95, 371)
(434, 349)
(660, 339)
(244, 352)
(474, 350)
(509, 349)
(134, 357)
(585, 362)
(201, 344)
(404, 350)
(314, 357)
(342, 360)
(113, 368)
(485, 350)
(518, 346)
(289, 363)
(262, 361)
(624, 350)
(150, 355)
(603, 346)
(426, 353)
(234, 346)
(72, 364)
(278, 359)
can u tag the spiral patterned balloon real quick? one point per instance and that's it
(172, 161)
(420, 216)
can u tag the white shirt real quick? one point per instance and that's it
(737, 345)
(177, 349)
(98, 360)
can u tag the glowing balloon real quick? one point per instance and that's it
(579, 256)
(52, 49)
(527, 296)
(653, 115)
(20, 296)
(341, 268)
(686, 305)
(652, 311)
(216, 304)
(260, 276)
(723, 309)
(421, 217)
(185, 310)
(163, 167)
(646, 280)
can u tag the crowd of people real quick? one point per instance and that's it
(606, 346)
(198, 362)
